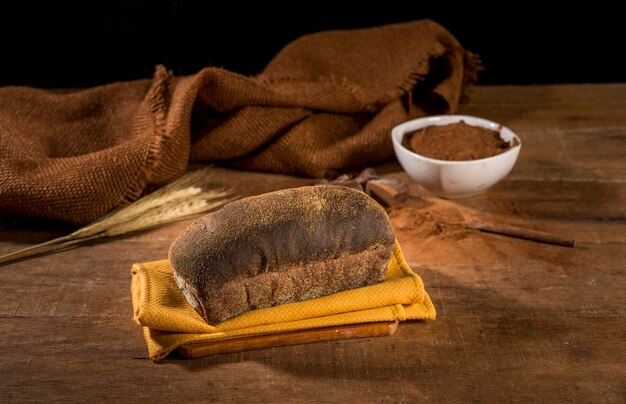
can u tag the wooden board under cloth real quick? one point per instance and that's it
(364, 330)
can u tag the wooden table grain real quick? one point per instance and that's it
(541, 324)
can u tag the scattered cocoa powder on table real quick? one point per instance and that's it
(456, 142)
(433, 246)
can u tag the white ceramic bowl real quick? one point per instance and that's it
(454, 179)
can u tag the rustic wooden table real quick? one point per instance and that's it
(539, 323)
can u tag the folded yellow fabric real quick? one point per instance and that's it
(168, 321)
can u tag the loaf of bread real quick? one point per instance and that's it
(281, 247)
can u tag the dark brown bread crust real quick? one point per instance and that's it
(281, 247)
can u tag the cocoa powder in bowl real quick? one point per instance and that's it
(456, 142)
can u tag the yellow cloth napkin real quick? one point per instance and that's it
(168, 321)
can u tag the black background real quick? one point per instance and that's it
(67, 44)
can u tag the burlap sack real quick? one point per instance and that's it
(326, 102)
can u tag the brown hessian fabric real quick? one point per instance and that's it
(326, 102)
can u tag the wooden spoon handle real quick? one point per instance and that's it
(520, 232)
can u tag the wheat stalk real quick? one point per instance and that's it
(181, 199)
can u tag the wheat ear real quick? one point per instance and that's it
(188, 196)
